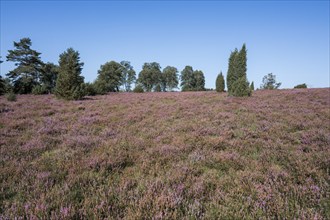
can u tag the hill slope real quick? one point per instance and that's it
(167, 155)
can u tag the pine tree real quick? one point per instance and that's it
(252, 86)
(69, 84)
(220, 83)
(28, 64)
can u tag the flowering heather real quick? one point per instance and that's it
(193, 155)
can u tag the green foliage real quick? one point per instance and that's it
(220, 83)
(79, 92)
(199, 81)
(2, 86)
(301, 86)
(128, 75)
(39, 90)
(28, 64)
(48, 77)
(90, 89)
(150, 76)
(269, 82)
(236, 76)
(252, 86)
(109, 77)
(138, 89)
(240, 65)
(11, 97)
(192, 80)
(69, 84)
(187, 78)
(241, 88)
(231, 73)
(169, 78)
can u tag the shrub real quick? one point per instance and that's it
(39, 90)
(138, 89)
(241, 87)
(78, 92)
(11, 97)
(90, 89)
(301, 86)
(220, 83)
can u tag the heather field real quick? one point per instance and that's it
(174, 155)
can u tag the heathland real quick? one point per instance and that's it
(169, 155)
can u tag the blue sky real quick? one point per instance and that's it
(287, 38)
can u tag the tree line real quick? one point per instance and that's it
(64, 79)
(32, 75)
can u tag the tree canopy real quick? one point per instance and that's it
(192, 80)
(150, 76)
(28, 64)
(109, 77)
(128, 75)
(169, 78)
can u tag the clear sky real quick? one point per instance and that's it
(287, 38)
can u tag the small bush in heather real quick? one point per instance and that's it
(39, 90)
(220, 83)
(301, 86)
(138, 89)
(11, 97)
(241, 87)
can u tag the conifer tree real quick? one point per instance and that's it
(252, 86)
(236, 76)
(70, 84)
(231, 73)
(2, 85)
(241, 63)
(220, 83)
(28, 64)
